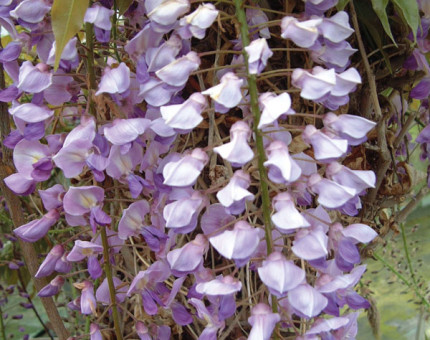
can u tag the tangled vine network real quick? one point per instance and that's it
(180, 169)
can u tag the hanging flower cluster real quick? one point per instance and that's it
(186, 187)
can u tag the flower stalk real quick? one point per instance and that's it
(253, 93)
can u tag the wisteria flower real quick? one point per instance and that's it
(123, 131)
(263, 321)
(185, 116)
(187, 259)
(279, 274)
(307, 301)
(234, 195)
(115, 80)
(227, 93)
(258, 54)
(273, 107)
(181, 215)
(52, 288)
(237, 151)
(88, 300)
(89, 250)
(79, 201)
(325, 147)
(302, 33)
(239, 243)
(352, 128)
(196, 23)
(36, 229)
(185, 170)
(99, 16)
(177, 72)
(287, 218)
(282, 167)
(34, 79)
(311, 244)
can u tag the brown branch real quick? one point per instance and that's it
(16, 213)
(384, 160)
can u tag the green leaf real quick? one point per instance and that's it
(409, 11)
(341, 5)
(67, 17)
(379, 7)
(123, 5)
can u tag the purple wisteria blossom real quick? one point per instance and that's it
(237, 244)
(287, 218)
(183, 171)
(263, 321)
(196, 23)
(258, 53)
(86, 202)
(237, 151)
(185, 116)
(234, 195)
(282, 167)
(36, 229)
(227, 94)
(280, 275)
(273, 107)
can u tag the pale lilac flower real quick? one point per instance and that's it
(227, 93)
(47, 267)
(258, 53)
(115, 80)
(325, 148)
(237, 151)
(287, 218)
(166, 12)
(310, 244)
(222, 285)
(36, 229)
(330, 194)
(88, 301)
(99, 16)
(185, 116)
(256, 17)
(34, 79)
(52, 288)
(80, 201)
(95, 333)
(31, 11)
(315, 85)
(302, 33)
(352, 128)
(89, 250)
(282, 167)
(184, 171)
(196, 23)
(214, 218)
(133, 219)
(322, 327)
(187, 259)
(273, 107)
(334, 55)
(336, 28)
(123, 131)
(263, 321)
(31, 113)
(103, 294)
(69, 54)
(60, 90)
(177, 72)
(121, 166)
(306, 163)
(181, 215)
(318, 7)
(239, 243)
(234, 195)
(213, 322)
(159, 56)
(358, 180)
(279, 274)
(307, 301)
